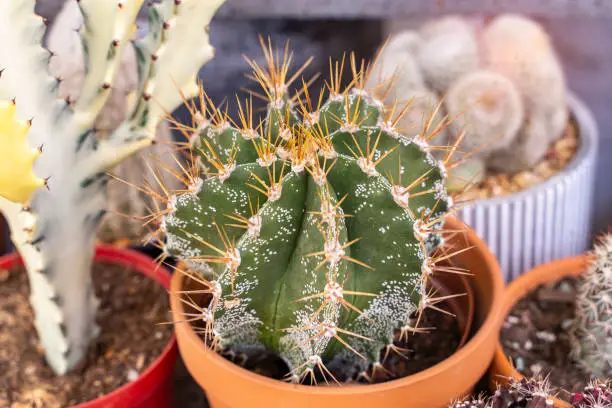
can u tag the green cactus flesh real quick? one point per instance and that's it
(314, 236)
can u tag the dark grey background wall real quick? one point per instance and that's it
(581, 30)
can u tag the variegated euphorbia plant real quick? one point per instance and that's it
(55, 232)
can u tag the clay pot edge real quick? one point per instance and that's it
(490, 327)
(501, 368)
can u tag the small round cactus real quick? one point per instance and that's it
(406, 41)
(595, 395)
(520, 49)
(396, 75)
(510, 63)
(17, 178)
(526, 392)
(527, 149)
(591, 332)
(523, 393)
(313, 233)
(488, 108)
(448, 51)
(425, 115)
(470, 402)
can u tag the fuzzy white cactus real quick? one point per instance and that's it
(396, 74)
(396, 79)
(526, 150)
(425, 115)
(68, 63)
(449, 49)
(488, 107)
(524, 84)
(592, 325)
(520, 49)
(55, 234)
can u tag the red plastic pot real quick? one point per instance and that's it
(154, 387)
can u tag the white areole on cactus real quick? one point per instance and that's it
(58, 245)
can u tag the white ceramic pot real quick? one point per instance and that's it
(548, 221)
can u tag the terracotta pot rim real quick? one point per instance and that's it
(517, 290)
(489, 326)
(113, 254)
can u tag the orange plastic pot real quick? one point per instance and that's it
(230, 386)
(501, 370)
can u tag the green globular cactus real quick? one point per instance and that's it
(591, 331)
(55, 232)
(487, 106)
(313, 233)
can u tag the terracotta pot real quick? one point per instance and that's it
(228, 385)
(501, 369)
(154, 386)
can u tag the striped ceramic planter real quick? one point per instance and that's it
(549, 221)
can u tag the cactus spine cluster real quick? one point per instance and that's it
(520, 49)
(55, 232)
(591, 332)
(535, 393)
(523, 393)
(313, 232)
(502, 85)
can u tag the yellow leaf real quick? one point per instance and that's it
(17, 178)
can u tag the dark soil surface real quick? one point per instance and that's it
(424, 350)
(536, 336)
(187, 393)
(131, 310)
